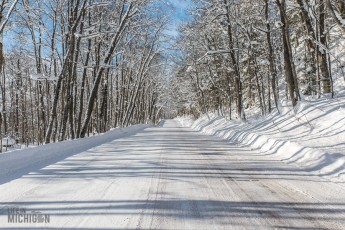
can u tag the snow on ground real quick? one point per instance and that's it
(16, 163)
(169, 177)
(311, 137)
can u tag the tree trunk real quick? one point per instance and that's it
(290, 73)
(238, 83)
(336, 15)
(106, 60)
(322, 54)
(271, 56)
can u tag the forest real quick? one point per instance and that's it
(78, 67)
(75, 68)
(253, 56)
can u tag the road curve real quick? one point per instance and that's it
(171, 177)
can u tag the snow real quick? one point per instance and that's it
(340, 19)
(7, 17)
(99, 4)
(215, 52)
(313, 138)
(16, 163)
(278, 24)
(189, 69)
(169, 177)
(7, 141)
(36, 76)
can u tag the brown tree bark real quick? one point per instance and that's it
(322, 54)
(290, 72)
(68, 56)
(271, 56)
(322, 57)
(335, 14)
(238, 83)
(106, 61)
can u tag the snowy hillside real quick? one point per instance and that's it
(311, 136)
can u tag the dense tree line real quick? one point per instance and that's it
(249, 54)
(78, 67)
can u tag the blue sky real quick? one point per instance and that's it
(180, 14)
(181, 7)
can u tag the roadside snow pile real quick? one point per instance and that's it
(313, 138)
(20, 162)
(186, 121)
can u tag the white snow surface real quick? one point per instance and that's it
(165, 177)
(312, 137)
(14, 164)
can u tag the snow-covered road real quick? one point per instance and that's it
(174, 178)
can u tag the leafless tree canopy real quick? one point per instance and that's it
(72, 68)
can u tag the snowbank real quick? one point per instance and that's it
(312, 139)
(20, 162)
